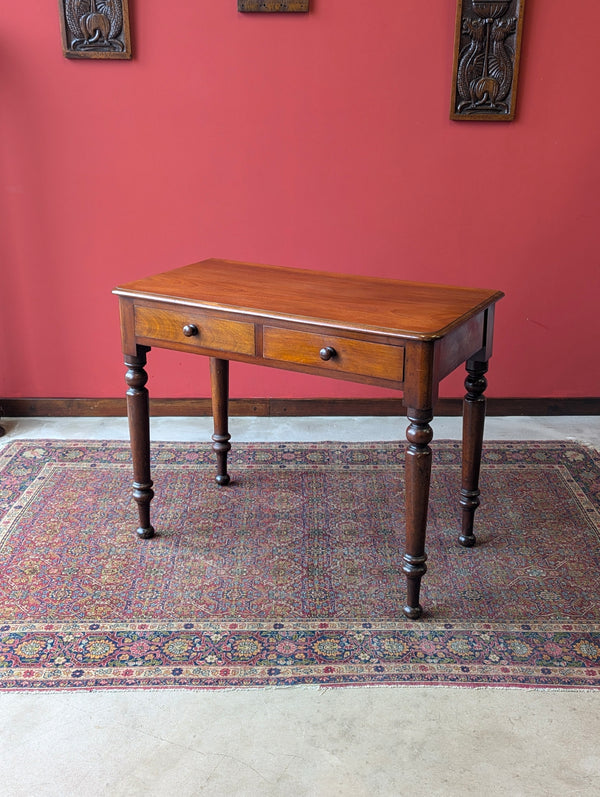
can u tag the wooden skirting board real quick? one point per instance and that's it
(279, 407)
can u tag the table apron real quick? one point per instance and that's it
(364, 357)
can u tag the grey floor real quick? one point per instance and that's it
(302, 740)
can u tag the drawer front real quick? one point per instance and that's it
(205, 332)
(341, 354)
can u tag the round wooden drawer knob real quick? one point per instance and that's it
(190, 330)
(327, 353)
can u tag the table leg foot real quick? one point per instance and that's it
(143, 494)
(414, 568)
(222, 479)
(467, 540)
(145, 534)
(472, 443)
(413, 612)
(417, 476)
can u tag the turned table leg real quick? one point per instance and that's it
(139, 435)
(472, 443)
(219, 380)
(417, 478)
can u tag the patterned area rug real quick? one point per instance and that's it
(292, 574)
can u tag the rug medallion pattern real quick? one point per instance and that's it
(292, 574)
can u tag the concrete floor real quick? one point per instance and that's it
(302, 740)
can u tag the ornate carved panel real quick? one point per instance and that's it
(487, 48)
(95, 28)
(273, 6)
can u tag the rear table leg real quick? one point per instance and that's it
(473, 423)
(219, 380)
(139, 435)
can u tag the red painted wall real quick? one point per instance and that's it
(318, 141)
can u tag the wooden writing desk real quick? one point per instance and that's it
(404, 335)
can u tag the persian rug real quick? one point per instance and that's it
(292, 574)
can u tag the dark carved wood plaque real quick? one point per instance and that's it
(487, 47)
(95, 28)
(273, 6)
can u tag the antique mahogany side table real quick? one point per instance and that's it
(404, 335)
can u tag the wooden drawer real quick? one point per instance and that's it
(349, 356)
(220, 334)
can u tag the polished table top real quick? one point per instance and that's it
(410, 310)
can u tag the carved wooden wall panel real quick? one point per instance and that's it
(95, 28)
(273, 6)
(487, 48)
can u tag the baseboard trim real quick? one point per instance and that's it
(277, 407)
